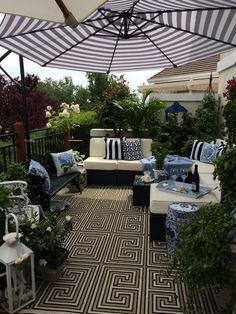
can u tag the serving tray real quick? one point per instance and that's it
(181, 188)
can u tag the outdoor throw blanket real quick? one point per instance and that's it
(148, 163)
(175, 161)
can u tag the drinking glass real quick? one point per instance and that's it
(174, 173)
(183, 174)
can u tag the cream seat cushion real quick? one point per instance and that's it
(99, 163)
(129, 165)
(160, 200)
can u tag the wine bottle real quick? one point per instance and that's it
(195, 180)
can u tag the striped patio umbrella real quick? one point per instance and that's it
(127, 35)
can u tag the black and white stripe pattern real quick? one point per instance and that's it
(161, 34)
(196, 150)
(113, 149)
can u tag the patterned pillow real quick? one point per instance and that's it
(36, 169)
(132, 149)
(113, 149)
(64, 162)
(197, 149)
(208, 153)
(220, 149)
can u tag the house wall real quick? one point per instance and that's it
(190, 101)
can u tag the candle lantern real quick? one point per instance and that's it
(19, 262)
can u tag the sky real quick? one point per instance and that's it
(11, 65)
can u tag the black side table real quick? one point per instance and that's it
(141, 192)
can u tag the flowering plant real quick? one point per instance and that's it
(230, 92)
(46, 238)
(230, 111)
(66, 118)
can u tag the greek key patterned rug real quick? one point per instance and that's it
(112, 266)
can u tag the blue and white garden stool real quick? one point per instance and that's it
(177, 216)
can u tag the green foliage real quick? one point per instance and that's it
(160, 148)
(203, 254)
(141, 113)
(15, 171)
(86, 120)
(46, 238)
(206, 124)
(59, 91)
(98, 83)
(65, 119)
(225, 169)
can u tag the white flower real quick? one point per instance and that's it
(65, 105)
(68, 218)
(75, 108)
(33, 226)
(42, 262)
(27, 239)
(48, 125)
(65, 113)
(49, 229)
(48, 114)
(49, 108)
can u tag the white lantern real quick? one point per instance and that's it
(19, 262)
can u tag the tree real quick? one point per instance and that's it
(11, 105)
(59, 91)
(98, 84)
(206, 125)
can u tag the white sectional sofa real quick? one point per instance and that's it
(160, 200)
(102, 171)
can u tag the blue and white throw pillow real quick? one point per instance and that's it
(36, 169)
(64, 162)
(113, 149)
(132, 149)
(197, 149)
(208, 153)
(220, 149)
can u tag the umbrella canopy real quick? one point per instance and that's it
(71, 12)
(127, 35)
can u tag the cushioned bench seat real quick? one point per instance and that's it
(118, 172)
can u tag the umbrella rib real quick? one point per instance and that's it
(142, 31)
(114, 50)
(79, 42)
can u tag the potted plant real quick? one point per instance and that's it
(203, 257)
(46, 241)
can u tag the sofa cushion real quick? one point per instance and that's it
(99, 163)
(160, 200)
(129, 165)
(113, 149)
(146, 144)
(132, 149)
(203, 167)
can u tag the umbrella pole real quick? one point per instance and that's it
(25, 107)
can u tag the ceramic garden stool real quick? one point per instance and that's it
(177, 216)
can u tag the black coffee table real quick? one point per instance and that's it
(141, 192)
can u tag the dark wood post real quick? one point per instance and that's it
(67, 143)
(21, 148)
